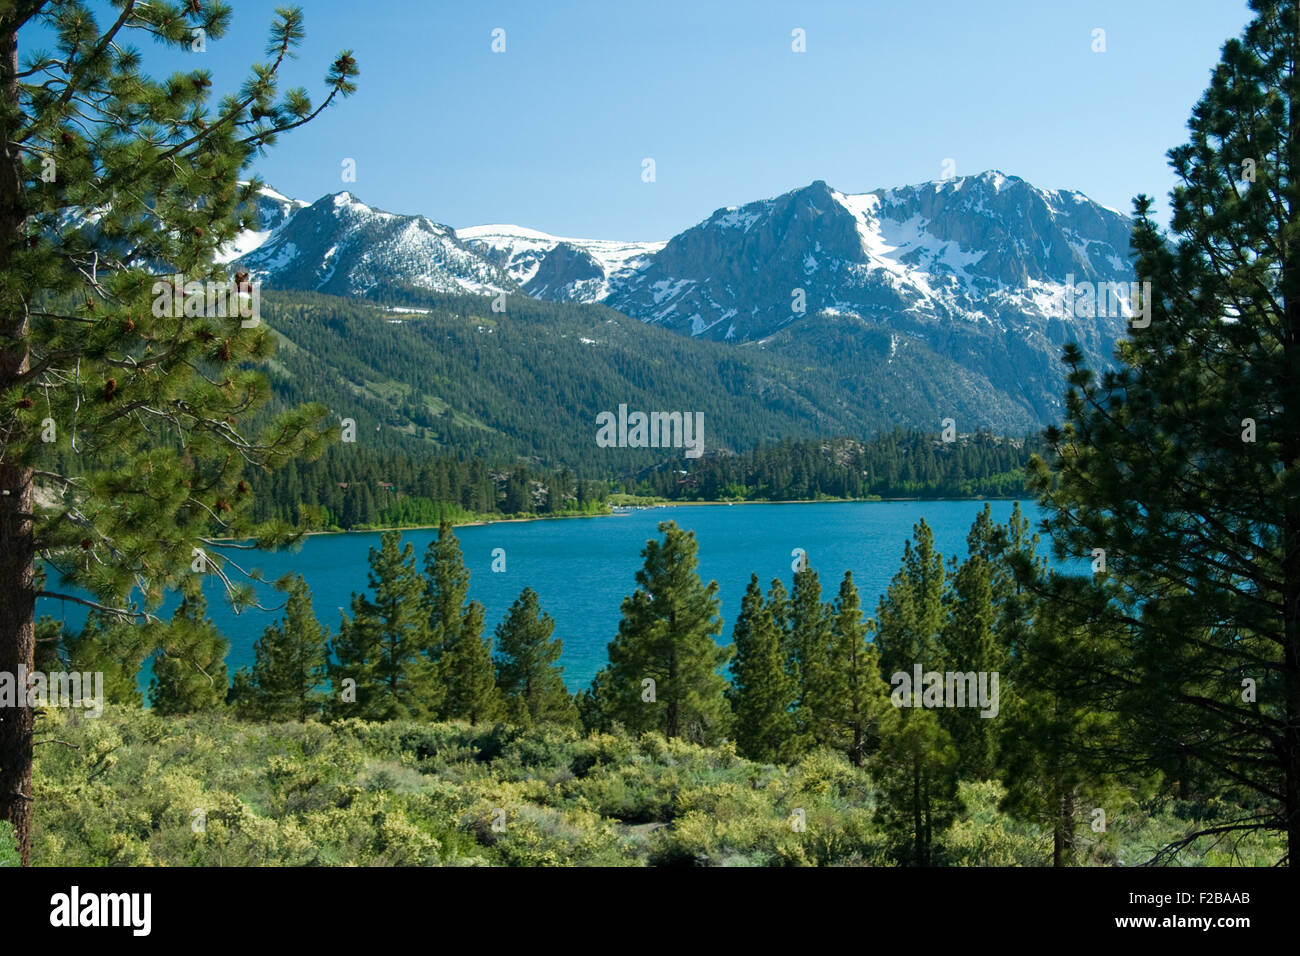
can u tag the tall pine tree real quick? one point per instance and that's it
(290, 665)
(464, 654)
(530, 680)
(663, 665)
(189, 667)
(845, 691)
(1182, 465)
(383, 666)
(808, 637)
(111, 182)
(762, 689)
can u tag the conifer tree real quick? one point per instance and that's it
(917, 771)
(383, 648)
(1182, 465)
(911, 614)
(969, 645)
(90, 653)
(918, 763)
(778, 603)
(663, 665)
(808, 638)
(115, 648)
(189, 667)
(762, 690)
(113, 181)
(464, 655)
(291, 664)
(530, 680)
(845, 691)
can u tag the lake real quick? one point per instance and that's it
(581, 568)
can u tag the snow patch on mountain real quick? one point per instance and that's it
(556, 267)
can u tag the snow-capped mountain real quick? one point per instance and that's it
(273, 210)
(973, 271)
(988, 249)
(560, 270)
(341, 246)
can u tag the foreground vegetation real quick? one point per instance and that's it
(415, 726)
(227, 793)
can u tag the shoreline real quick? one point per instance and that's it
(627, 509)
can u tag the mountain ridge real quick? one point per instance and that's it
(973, 271)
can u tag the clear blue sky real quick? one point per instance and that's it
(551, 133)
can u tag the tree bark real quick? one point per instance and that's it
(17, 542)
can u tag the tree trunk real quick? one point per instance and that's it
(17, 544)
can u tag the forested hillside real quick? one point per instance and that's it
(530, 381)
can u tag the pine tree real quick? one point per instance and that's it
(189, 667)
(527, 674)
(1183, 464)
(291, 664)
(845, 692)
(115, 648)
(384, 647)
(969, 645)
(155, 406)
(762, 691)
(663, 665)
(918, 763)
(808, 637)
(911, 614)
(1065, 750)
(917, 772)
(456, 625)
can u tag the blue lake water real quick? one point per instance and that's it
(581, 568)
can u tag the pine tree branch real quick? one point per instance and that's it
(120, 613)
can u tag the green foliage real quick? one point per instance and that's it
(892, 464)
(807, 640)
(911, 614)
(146, 400)
(969, 645)
(762, 690)
(918, 782)
(120, 190)
(385, 647)
(290, 667)
(846, 696)
(456, 634)
(668, 636)
(8, 845)
(399, 793)
(528, 676)
(1183, 463)
(189, 667)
